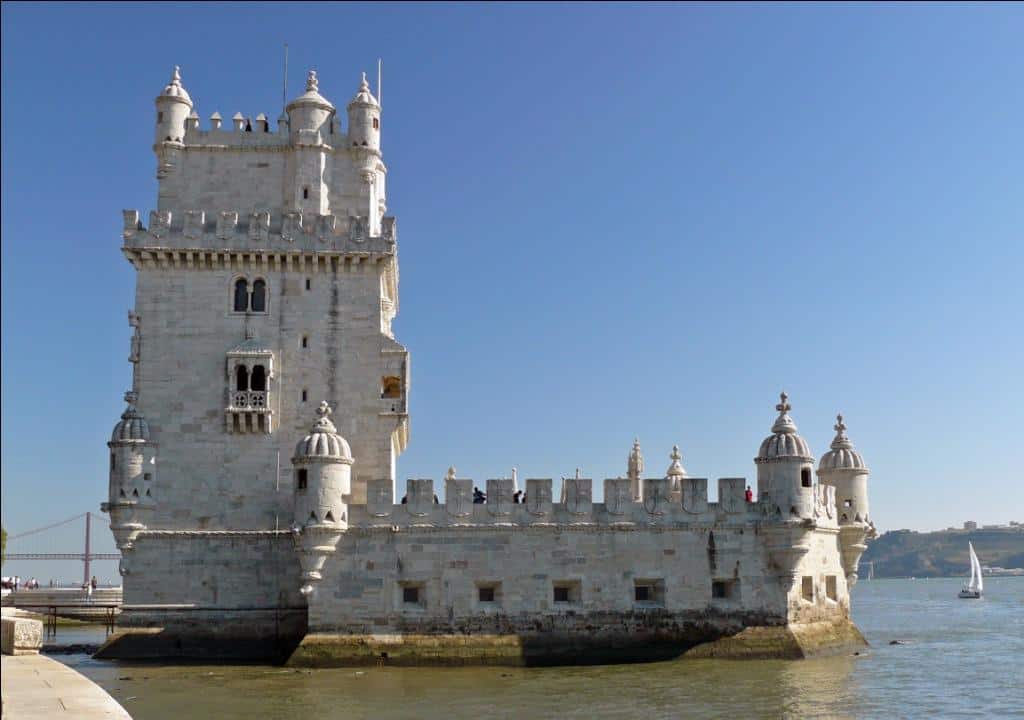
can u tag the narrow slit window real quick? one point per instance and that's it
(305, 341)
(305, 395)
(305, 193)
(376, 124)
(309, 284)
(807, 588)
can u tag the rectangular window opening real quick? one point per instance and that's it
(805, 477)
(725, 589)
(411, 595)
(485, 594)
(830, 588)
(807, 588)
(309, 284)
(649, 591)
(566, 592)
(302, 478)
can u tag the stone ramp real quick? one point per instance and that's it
(36, 686)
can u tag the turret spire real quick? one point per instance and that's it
(784, 423)
(840, 441)
(312, 84)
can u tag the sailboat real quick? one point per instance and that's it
(974, 587)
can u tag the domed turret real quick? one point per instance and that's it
(364, 118)
(173, 107)
(784, 468)
(323, 481)
(310, 112)
(132, 470)
(634, 470)
(844, 468)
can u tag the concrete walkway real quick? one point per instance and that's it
(36, 686)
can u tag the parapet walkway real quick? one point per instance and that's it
(36, 686)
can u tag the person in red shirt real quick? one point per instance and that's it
(749, 494)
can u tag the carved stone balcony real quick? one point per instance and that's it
(248, 411)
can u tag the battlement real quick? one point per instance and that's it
(241, 132)
(256, 231)
(662, 507)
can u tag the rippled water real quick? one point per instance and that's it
(962, 658)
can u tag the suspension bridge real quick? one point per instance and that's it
(26, 545)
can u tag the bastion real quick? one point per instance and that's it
(252, 482)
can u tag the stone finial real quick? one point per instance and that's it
(131, 397)
(675, 470)
(784, 423)
(635, 464)
(364, 85)
(312, 84)
(841, 440)
(176, 76)
(450, 475)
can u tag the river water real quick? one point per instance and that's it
(957, 658)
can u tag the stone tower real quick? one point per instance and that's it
(267, 281)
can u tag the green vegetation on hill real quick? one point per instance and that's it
(905, 553)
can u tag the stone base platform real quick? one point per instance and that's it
(754, 643)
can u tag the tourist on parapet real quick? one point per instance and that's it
(478, 497)
(405, 499)
(749, 494)
(94, 583)
(436, 501)
(517, 497)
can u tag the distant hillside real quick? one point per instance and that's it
(905, 553)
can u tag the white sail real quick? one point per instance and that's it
(976, 581)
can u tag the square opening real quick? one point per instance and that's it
(725, 589)
(830, 588)
(649, 592)
(566, 592)
(807, 588)
(413, 595)
(488, 594)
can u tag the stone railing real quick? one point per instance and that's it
(249, 400)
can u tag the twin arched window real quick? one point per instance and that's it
(246, 300)
(256, 380)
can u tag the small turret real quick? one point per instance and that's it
(784, 469)
(843, 468)
(309, 115)
(676, 472)
(132, 468)
(364, 118)
(323, 483)
(173, 107)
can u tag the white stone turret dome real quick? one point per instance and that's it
(323, 441)
(174, 88)
(784, 442)
(132, 426)
(676, 469)
(842, 456)
(312, 95)
(363, 95)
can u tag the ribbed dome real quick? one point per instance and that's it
(784, 441)
(174, 88)
(312, 95)
(323, 440)
(842, 456)
(363, 96)
(132, 425)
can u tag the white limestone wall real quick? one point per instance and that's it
(822, 562)
(209, 478)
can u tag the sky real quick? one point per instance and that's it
(615, 221)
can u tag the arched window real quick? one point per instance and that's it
(259, 296)
(259, 378)
(241, 295)
(241, 378)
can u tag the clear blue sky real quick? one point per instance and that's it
(615, 220)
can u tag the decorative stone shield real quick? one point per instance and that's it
(159, 223)
(379, 498)
(578, 493)
(419, 497)
(195, 222)
(458, 495)
(226, 224)
(731, 496)
(259, 226)
(695, 495)
(538, 496)
(656, 495)
(291, 225)
(499, 496)
(618, 494)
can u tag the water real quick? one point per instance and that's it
(962, 658)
